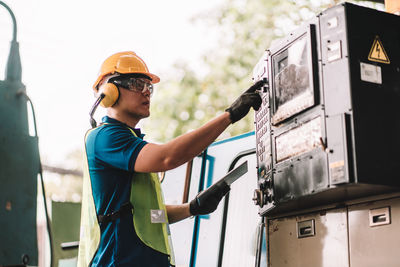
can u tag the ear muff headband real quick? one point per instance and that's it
(111, 93)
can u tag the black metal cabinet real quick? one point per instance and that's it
(330, 119)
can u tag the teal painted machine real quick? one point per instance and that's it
(19, 167)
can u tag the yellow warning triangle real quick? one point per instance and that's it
(378, 53)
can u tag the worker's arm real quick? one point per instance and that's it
(208, 204)
(177, 213)
(155, 157)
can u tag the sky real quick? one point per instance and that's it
(63, 44)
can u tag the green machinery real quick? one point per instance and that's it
(19, 167)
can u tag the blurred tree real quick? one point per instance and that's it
(65, 183)
(246, 29)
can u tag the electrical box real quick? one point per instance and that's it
(315, 239)
(374, 231)
(329, 125)
(361, 233)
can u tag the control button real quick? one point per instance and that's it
(258, 198)
(269, 198)
(268, 183)
(265, 183)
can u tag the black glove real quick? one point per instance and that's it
(248, 99)
(207, 201)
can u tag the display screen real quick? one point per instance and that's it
(299, 140)
(293, 91)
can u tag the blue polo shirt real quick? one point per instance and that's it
(112, 150)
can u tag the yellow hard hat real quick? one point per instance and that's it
(124, 63)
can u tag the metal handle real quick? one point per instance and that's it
(380, 216)
(306, 228)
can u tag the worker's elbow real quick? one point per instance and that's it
(172, 156)
(170, 163)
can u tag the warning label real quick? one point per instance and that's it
(378, 53)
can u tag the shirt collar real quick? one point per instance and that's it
(137, 131)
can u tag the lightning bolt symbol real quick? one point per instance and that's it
(378, 49)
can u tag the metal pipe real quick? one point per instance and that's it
(13, 19)
(13, 69)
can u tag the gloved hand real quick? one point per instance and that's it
(248, 99)
(207, 201)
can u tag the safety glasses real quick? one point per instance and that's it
(139, 85)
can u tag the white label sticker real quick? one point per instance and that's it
(332, 23)
(157, 216)
(371, 73)
(334, 51)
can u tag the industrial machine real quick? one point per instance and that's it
(327, 142)
(328, 127)
(324, 154)
(20, 166)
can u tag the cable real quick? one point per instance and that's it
(13, 19)
(93, 122)
(22, 92)
(47, 216)
(13, 68)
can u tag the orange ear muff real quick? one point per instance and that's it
(111, 94)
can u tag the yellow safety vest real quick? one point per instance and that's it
(149, 216)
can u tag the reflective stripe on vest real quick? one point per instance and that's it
(149, 216)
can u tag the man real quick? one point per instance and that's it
(124, 220)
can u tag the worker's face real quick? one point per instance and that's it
(135, 101)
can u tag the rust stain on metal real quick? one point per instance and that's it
(8, 206)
